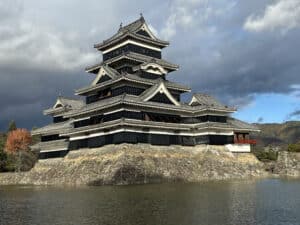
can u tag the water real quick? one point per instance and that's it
(263, 202)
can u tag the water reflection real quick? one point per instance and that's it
(254, 202)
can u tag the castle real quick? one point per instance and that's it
(131, 101)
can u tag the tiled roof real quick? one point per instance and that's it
(72, 103)
(137, 57)
(67, 104)
(130, 30)
(50, 146)
(153, 124)
(241, 125)
(206, 100)
(135, 79)
(55, 128)
(136, 101)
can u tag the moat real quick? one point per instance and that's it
(264, 202)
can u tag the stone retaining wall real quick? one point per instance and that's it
(136, 164)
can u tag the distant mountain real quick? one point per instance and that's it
(276, 134)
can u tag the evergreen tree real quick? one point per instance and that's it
(3, 156)
(12, 126)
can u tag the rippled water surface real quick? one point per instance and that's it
(271, 201)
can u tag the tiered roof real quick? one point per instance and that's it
(58, 145)
(53, 128)
(131, 31)
(135, 57)
(133, 78)
(138, 101)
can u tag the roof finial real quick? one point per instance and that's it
(121, 25)
(142, 17)
(59, 94)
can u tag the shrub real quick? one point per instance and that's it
(23, 161)
(294, 147)
(266, 155)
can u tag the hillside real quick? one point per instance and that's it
(275, 134)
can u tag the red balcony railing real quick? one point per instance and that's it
(249, 141)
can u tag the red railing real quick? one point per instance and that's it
(251, 142)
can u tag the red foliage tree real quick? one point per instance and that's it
(18, 140)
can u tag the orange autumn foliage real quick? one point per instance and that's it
(18, 140)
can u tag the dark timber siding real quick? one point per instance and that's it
(162, 98)
(58, 119)
(144, 33)
(52, 137)
(154, 139)
(148, 116)
(131, 48)
(151, 76)
(202, 119)
(56, 154)
(103, 79)
(111, 92)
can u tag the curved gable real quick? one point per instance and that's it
(145, 31)
(158, 89)
(103, 75)
(154, 68)
(58, 104)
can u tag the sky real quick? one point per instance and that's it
(245, 53)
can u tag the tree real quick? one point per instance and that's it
(18, 140)
(12, 126)
(2, 141)
(3, 156)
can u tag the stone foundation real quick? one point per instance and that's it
(139, 164)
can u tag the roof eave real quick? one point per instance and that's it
(105, 44)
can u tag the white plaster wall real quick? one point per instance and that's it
(238, 147)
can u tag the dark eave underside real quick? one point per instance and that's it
(134, 79)
(136, 57)
(132, 100)
(126, 34)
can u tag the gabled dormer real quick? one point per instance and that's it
(144, 30)
(61, 106)
(209, 102)
(105, 73)
(159, 93)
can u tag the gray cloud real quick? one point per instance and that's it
(294, 115)
(260, 120)
(283, 14)
(235, 64)
(45, 45)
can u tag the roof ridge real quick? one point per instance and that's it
(69, 98)
(134, 22)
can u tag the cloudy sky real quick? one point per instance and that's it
(246, 53)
